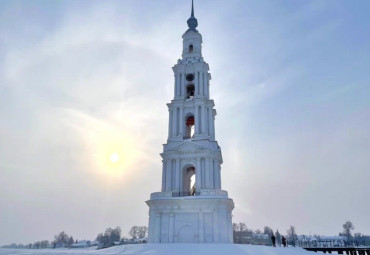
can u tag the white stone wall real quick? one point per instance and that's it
(200, 220)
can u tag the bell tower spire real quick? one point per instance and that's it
(192, 21)
(192, 8)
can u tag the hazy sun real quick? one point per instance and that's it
(114, 157)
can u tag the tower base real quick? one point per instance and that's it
(191, 219)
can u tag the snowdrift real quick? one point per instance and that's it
(167, 249)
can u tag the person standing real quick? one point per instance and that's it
(273, 239)
(283, 241)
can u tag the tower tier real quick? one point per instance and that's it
(184, 220)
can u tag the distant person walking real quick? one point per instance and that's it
(283, 241)
(273, 239)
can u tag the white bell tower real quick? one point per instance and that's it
(191, 207)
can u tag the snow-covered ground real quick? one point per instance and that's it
(167, 249)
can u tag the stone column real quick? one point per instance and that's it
(179, 85)
(196, 128)
(207, 85)
(199, 84)
(182, 122)
(196, 84)
(201, 77)
(207, 172)
(173, 174)
(198, 180)
(211, 175)
(203, 86)
(203, 110)
(178, 121)
(215, 226)
(210, 121)
(218, 168)
(174, 122)
(175, 87)
(170, 123)
(168, 175)
(183, 85)
(163, 176)
(212, 125)
(178, 175)
(217, 175)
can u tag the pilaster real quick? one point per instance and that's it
(196, 116)
(207, 172)
(215, 226)
(198, 175)
(163, 176)
(171, 227)
(203, 119)
(168, 175)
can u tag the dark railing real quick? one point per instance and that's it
(341, 250)
(185, 194)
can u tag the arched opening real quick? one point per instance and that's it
(192, 185)
(189, 188)
(189, 125)
(191, 48)
(190, 89)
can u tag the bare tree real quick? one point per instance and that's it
(134, 232)
(70, 241)
(110, 236)
(61, 238)
(292, 234)
(44, 244)
(143, 230)
(347, 228)
(36, 245)
(235, 227)
(268, 231)
(242, 227)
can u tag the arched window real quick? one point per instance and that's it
(189, 125)
(191, 48)
(189, 188)
(190, 89)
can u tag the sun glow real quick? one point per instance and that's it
(112, 149)
(114, 157)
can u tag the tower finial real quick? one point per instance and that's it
(192, 8)
(192, 21)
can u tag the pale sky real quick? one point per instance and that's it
(80, 80)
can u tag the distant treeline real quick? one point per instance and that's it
(110, 237)
(244, 235)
